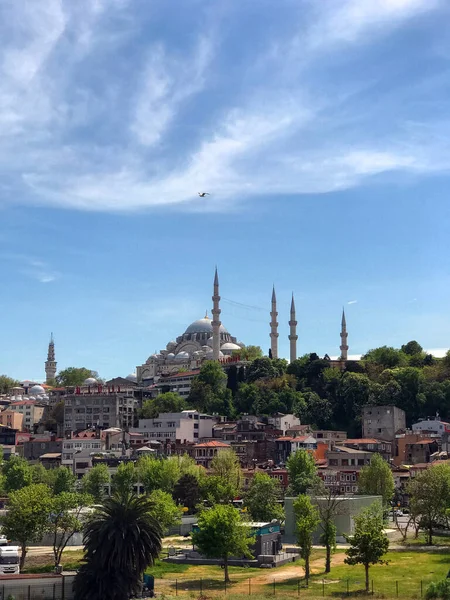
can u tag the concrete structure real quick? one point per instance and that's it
(432, 425)
(370, 445)
(283, 422)
(274, 326)
(12, 418)
(286, 445)
(186, 426)
(293, 337)
(348, 508)
(330, 437)
(344, 336)
(35, 448)
(7, 436)
(38, 586)
(50, 365)
(421, 451)
(382, 422)
(31, 411)
(86, 409)
(204, 339)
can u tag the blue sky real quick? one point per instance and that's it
(321, 130)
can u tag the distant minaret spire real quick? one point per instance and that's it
(344, 336)
(50, 364)
(216, 318)
(274, 326)
(293, 337)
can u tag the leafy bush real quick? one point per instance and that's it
(438, 589)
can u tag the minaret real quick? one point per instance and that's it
(50, 364)
(274, 326)
(293, 337)
(216, 318)
(344, 335)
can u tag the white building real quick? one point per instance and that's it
(32, 412)
(431, 425)
(187, 426)
(284, 422)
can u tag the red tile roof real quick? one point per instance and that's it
(423, 442)
(212, 445)
(362, 441)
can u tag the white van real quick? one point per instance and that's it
(9, 560)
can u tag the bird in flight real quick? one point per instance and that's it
(203, 194)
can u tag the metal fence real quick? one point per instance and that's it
(37, 590)
(266, 586)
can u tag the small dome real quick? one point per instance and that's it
(182, 356)
(171, 346)
(132, 377)
(170, 356)
(37, 390)
(210, 342)
(198, 354)
(90, 381)
(230, 346)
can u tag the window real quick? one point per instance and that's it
(360, 462)
(344, 462)
(348, 488)
(333, 462)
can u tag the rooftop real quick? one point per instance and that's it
(212, 445)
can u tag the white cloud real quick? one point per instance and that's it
(351, 21)
(167, 83)
(352, 302)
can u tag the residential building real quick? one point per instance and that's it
(288, 444)
(432, 425)
(382, 422)
(206, 451)
(251, 452)
(7, 436)
(403, 441)
(330, 436)
(420, 451)
(382, 447)
(12, 418)
(186, 426)
(283, 422)
(102, 409)
(342, 471)
(280, 475)
(35, 448)
(31, 411)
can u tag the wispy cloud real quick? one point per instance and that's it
(94, 118)
(31, 267)
(352, 302)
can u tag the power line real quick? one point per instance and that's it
(241, 304)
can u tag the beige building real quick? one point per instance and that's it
(30, 410)
(12, 418)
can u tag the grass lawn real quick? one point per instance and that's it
(438, 540)
(406, 568)
(43, 563)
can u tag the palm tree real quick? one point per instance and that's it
(120, 542)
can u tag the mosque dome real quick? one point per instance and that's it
(37, 390)
(131, 377)
(171, 346)
(229, 347)
(182, 356)
(90, 381)
(210, 342)
(203, 326)
(170, 356)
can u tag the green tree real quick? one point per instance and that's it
(306, 521)
(27, 516)
(64, 519)
(62, 480)
(170, 402)
(226, 466)
(125, 479)
(73, 376)
(315, 410)
(158, 474)
(302, 472)
(17, 474)
(165, 511)
(377, 479)
(412, 348)
(429, 495)
(217, 490)
(369, 543)
(95, 481)
(265, 368)
(209, 392)
(7, 383)
(386, 357)
(221, 534)
(261, 498)
(329, 506)
(248, 353)
(120, 541)
(187, 491)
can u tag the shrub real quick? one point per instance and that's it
(438, 589)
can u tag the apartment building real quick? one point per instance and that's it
(186, 426)
(103, 410)
(382, 422)
(12, 418)
(31, 411)
(205, 452)
(382, 447)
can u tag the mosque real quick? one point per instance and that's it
(205, 339)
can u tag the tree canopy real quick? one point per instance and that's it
(6, 383)
(261, 498)
(302, 472)
(73, 376)
(169, 402)
(377, 479)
